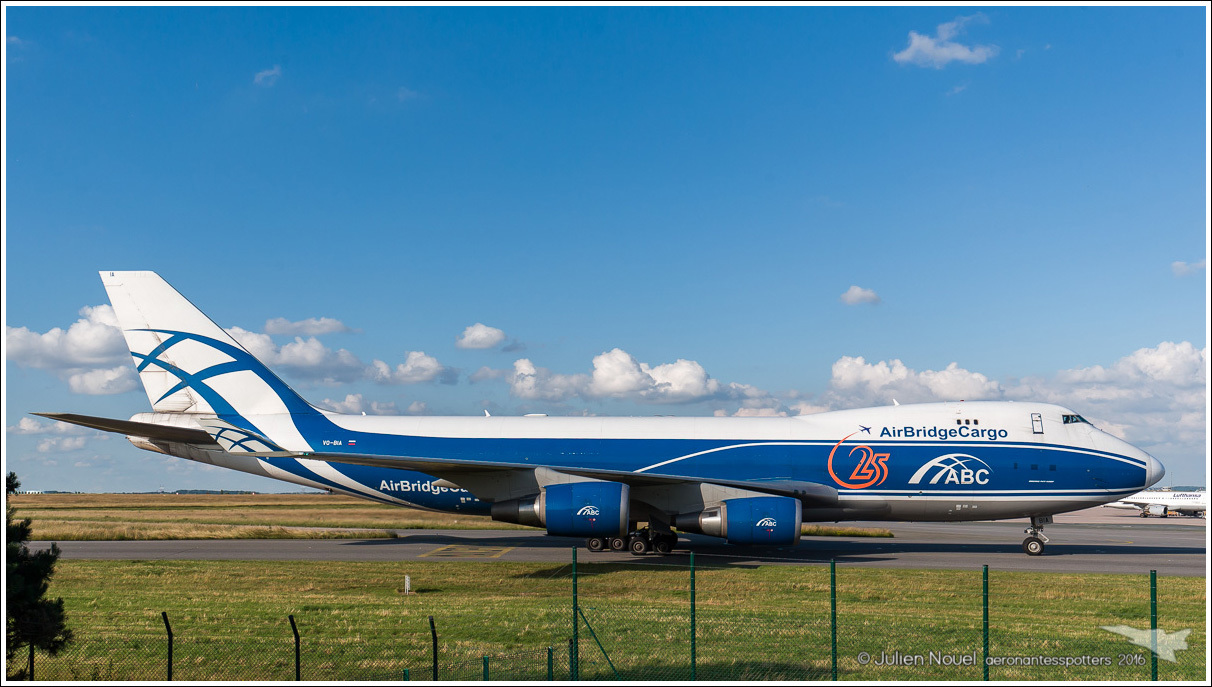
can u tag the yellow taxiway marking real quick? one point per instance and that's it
(461, 551)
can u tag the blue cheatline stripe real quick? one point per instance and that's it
(294, 467)
(1012, 494)
(780, 460)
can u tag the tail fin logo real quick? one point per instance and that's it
(237, 361)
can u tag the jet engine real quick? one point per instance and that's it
(1158, 510)
(771, 520)
(579, 509)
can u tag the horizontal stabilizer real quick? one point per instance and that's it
(147, 430)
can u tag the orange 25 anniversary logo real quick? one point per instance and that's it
(870, 468)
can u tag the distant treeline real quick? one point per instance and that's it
(180, 491)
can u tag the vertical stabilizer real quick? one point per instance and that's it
(186, 362)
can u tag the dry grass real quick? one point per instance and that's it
(834, 531)
(65, 517)
(226, 516)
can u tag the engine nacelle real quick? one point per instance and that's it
(770, 520)
(1158, 509)
(578, 509)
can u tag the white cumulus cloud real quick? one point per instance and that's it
(61, 444)
(354, 404)
(93, 340)
(540, 384)
(616, 374)
(28, 425)
(416, 368)
(486, 373)
(312, 326)
(1182, 269)
(90, 355)
(940, 50)
(855, 383)
(857, 295)
(100, 382)
(307, 359)
(480, 336)
(268, 77)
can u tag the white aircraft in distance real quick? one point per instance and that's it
(748, 480)
(1163, 503)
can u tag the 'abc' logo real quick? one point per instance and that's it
(589, 511)
(767, 522)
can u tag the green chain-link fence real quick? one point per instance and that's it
(675, 622)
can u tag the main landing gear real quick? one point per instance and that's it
(1033, 545)
(639, 542)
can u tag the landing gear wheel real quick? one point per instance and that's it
(1033, 546)
(639, 546)
(618, 544)
(662, 546)
(595, 543)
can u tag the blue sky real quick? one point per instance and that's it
(649, 210)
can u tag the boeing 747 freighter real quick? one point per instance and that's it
(746, 480)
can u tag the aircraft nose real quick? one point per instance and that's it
(1156, 471)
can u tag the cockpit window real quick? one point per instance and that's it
(1070, 419)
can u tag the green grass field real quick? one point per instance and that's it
(229, 618)
(772, 622)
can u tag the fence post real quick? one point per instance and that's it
(693, 625)
(1153, 622)
(550, 665)
(433, 632)
(169, 628)
(574, 658)
(985, 622)
(31, 663)
(406, 678)
(295, 630)
(833, 615)
(485, 669)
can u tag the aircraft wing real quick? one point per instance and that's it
(466, 473)
(486, 479)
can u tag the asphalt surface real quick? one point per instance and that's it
(1098, 540)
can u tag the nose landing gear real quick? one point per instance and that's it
(1033, 545)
